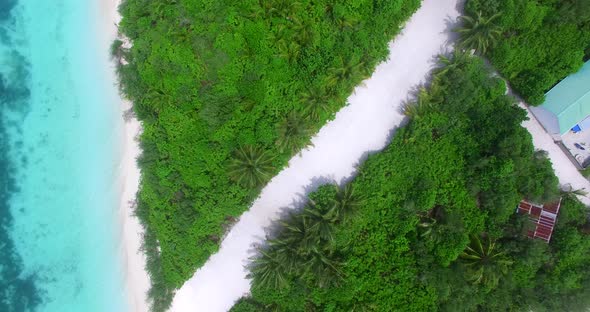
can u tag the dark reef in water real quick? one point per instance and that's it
(6, 7)
(17, 292)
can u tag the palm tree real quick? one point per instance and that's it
(451, 62)
(304, 33)
(571, 192)
(288, 48)
(485, 264)
(268, 271)
(342, 22)
(297, 252)
(279, 33)
(251, 166)
(285, 8)
(157, 100)
(574, 11)
(118, 52)
(347, 203)
(321, 265)
(287, 249)
(292, 131)
(421, 106)
(303, 249)
(344, 72)
(298, 236)
(321, 220)
(269, 9)
(430, 218)
(289, 51)
(346, 22)
(427, 225)
(286, 254)
(315, 101)
(158, 9)
(478, 33)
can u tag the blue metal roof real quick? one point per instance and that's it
(569, 100)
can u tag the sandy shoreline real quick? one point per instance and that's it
(364, 126)
(137, 279)
(133, 260)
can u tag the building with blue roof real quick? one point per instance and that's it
(567, 104)
(565, 114)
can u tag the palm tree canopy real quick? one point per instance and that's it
(484, 262)
(346, 71)
(322, 267)
(292, 131)
(315, 102)
(304, 247)
(268, 270)
(478, 33)
(348, 202)
(251, 166)
(321, 221)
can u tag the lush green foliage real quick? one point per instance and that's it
(250, 167)
(436, 229)
(304, 247)
(483, 262)
(542, 41)
(227, 92)
(478, 33)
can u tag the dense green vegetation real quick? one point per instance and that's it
(533, 43)
(227, 92)
(304, 247)
(433, 223)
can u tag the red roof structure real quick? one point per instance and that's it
(543, 217)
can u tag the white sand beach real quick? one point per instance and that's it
(362, 127)
(566, 172)
(136, 277)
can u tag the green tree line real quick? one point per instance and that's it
(533, 43)
(433, 225)
(227, 91)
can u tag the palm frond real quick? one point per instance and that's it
(251, 166)
(478, 33)
(293, 130)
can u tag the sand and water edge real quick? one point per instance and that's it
(134, 260)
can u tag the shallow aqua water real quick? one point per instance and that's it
(60, 132)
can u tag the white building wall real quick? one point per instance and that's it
(548, 120)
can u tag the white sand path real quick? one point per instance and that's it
(565, 170)
(363, 126)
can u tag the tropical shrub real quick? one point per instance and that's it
(304, 247)
(228, 91)
(436, 228)
(542, 41)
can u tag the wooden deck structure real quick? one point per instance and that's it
(543, 217)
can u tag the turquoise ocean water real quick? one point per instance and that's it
(60, 135)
